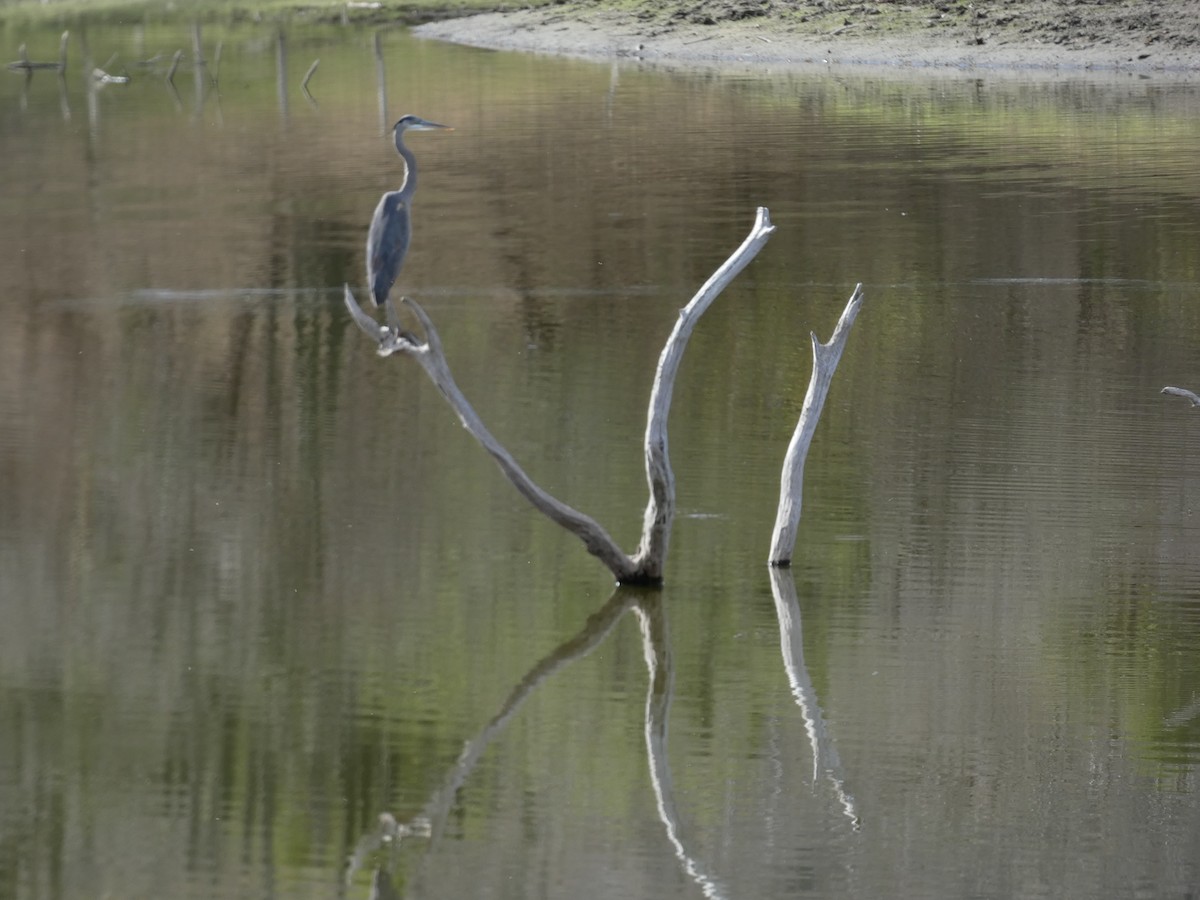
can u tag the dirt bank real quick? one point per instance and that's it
(1069, 35)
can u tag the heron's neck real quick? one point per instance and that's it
(410, 165)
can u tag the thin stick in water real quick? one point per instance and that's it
(791, 488)
(309, 74)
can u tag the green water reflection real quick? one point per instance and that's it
(259, 587)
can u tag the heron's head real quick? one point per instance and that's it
(416, 123)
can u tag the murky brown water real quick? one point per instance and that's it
(258, 586)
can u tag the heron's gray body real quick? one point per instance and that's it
(387, 243)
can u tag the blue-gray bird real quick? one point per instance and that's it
(387, 241)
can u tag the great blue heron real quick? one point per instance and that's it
(387, 241)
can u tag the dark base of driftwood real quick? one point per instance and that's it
(640, 580)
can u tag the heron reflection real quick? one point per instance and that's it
(391, 230)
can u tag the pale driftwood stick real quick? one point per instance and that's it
(791, 489)
(431, 358)
(62, 52)
(657, 652)
(1182, 392)
(174, 65)
(791, 643)
(309, 74)
(215, 72)
(660, 511)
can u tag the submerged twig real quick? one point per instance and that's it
(791, 488)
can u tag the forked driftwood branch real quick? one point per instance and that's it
(791, 489)
(646, 566)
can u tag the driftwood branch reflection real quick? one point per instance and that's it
(431, 821)
(647, 606)
(657, 650)
(791, 643)
(599, 626)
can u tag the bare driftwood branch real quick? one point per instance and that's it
(791, 488)
(660, 511)
(791, 643)
(1182, 392)
(429, 356)
(646, 567)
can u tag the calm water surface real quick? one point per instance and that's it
(258, 587)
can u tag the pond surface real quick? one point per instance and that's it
(258, 587)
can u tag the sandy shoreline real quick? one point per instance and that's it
(767, 42)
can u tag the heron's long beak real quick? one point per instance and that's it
(429, 126)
